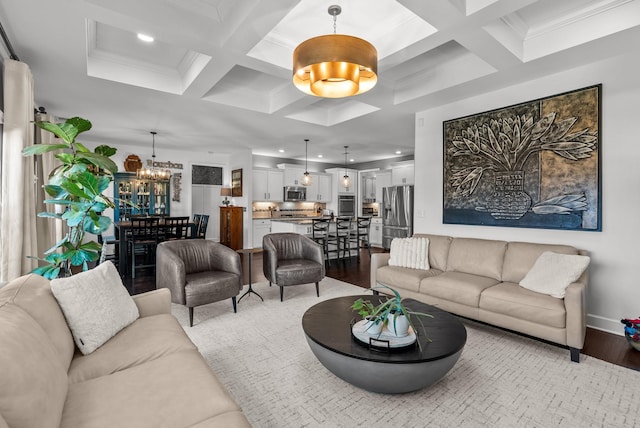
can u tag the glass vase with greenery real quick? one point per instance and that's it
(76, 185)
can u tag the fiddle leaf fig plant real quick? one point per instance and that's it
(76, 186)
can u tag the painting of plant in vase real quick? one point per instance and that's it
(534, 164)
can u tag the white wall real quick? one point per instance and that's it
(613, 288)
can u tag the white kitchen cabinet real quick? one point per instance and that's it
(375, 232)
(291, 226)
(261, 227)
(303, 229)
(320, 189)
(383, 179)
(293, 175)
(268, 185)
(369, 187)
(337, 175)
(402, 173)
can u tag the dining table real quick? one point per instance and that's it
(121, 230)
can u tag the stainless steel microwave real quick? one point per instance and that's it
(295, 194)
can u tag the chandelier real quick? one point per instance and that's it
(307, 180)
(346, 180)
(335, 65)
(151, 172)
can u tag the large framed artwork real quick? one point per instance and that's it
(535, 164)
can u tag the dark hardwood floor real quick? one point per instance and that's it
(598, 344)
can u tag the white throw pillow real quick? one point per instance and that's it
(410, 253)
(96, 305)
(553, 272)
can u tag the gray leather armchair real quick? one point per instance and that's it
(198, 272)
(292, 259)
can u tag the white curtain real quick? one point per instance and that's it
(18, 212)
(49, 230)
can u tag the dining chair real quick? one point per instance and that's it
(108, 253)
(143, 240)
(174, 228)
(202, 230)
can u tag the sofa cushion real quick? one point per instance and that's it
(552, 273)
(96, 305)
(457, 287)
(405, 278)
(145, 340)
(438, 250)
(510, 299)
(33, 381)
(477, 256)
(176, 390)
(410, 253)
(33, 294)
(520, 257)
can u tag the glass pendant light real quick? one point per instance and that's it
(306, 177)
(346, 180)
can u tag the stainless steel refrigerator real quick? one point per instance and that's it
(397, 213)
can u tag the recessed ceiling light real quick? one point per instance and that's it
(319, 156)
(398, 152)
(145, 38)
(280, 150)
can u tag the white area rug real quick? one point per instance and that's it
(501, 379)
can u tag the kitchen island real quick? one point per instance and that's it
(303, 226)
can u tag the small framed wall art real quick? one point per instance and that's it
(236, 182)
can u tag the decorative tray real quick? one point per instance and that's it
(383, 341)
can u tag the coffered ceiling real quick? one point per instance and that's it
(218, 74)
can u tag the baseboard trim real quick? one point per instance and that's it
(605, 324)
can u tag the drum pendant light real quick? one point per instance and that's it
(335, 65)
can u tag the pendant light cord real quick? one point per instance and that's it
(306, 155)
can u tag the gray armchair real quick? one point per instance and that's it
(198, 272)
(292, 259)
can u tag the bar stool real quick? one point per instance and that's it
(341, 237)
(320, 235)
(360, 235)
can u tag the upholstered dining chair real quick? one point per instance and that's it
(198, 272)
(292, 259)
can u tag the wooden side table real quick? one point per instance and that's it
(250, 252)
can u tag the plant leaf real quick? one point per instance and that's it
(38, 149)
(100, 161)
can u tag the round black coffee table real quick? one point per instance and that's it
(327, 327)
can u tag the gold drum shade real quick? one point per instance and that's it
(335, 66)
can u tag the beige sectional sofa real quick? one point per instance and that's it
(148, 375)
(479, 279)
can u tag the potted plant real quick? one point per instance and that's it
(391, 313)
(76, 185)
(368, 311)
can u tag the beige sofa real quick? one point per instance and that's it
(148, 375)
(479, 279)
